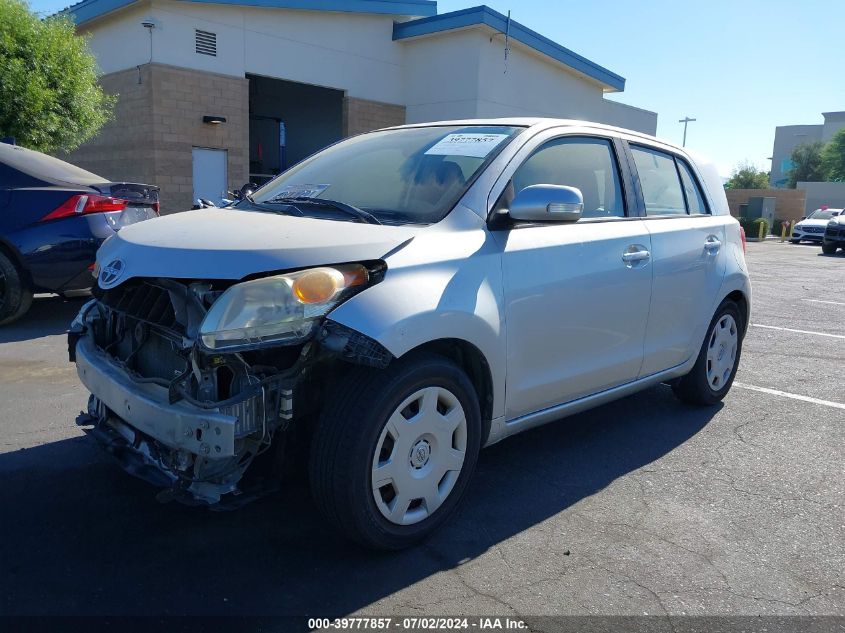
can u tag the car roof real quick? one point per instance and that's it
(45, 167)
(704, 166)
(541, 123)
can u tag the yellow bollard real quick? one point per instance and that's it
(783, 226)
(762, 232)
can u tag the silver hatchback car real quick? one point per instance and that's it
(387, 307)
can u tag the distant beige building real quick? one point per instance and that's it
(788, 137)
(822, 194)
(214, 94)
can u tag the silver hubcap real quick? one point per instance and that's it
(721, 352)
(419, 455)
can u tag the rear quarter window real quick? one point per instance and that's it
(692, 191)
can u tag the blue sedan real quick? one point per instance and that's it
(53, 218)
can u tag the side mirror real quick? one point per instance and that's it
(547, 203)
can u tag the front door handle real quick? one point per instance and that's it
(635, 254)
(712, 244)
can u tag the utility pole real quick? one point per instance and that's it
(685, 120)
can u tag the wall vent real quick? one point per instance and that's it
(206, 42)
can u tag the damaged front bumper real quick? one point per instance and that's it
(180, 426)
(198, 444)
(199, 453)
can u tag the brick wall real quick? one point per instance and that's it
(158, 122)
(123, 149)
(788, 206)
(361, 115)
(180, 98)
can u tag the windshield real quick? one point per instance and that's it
(823, 214)
(410, 175)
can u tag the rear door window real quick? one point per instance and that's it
(659, 181)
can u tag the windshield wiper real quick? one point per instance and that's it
(269, 207)
(366, 216)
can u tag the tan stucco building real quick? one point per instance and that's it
(216, 94)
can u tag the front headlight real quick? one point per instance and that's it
(279, 308)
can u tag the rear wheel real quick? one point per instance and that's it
(394, 451)
(713, 373)
(828, 248)
(15, 294)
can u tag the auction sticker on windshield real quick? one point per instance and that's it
(300, 191)
(474, 145)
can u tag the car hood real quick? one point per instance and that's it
(232, 244)
(805, 223)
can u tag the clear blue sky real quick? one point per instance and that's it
(740, 67)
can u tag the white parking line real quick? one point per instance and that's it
(833, 303)
(784, 394)
(789, 329)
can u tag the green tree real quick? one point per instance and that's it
(747, 176)
(49, 95)
(806, 164)
(833, 157)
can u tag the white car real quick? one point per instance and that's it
(396, 302)
(812, 228)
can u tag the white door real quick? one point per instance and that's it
(576, 309)
(210, 174)
(687, 257)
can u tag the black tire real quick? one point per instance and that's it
(794, 241)
(828, 248)
(344, 444)
(694, 388)
(15, 294)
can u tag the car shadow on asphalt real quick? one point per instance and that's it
(82, 537)
(48, 315)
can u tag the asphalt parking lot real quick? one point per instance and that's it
(641, 506)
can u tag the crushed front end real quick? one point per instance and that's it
(195, 420)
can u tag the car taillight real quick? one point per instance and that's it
(157, 208)
(81, 204)
(742, 237)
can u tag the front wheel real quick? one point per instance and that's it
(394, 451)
(794, 241)
(713, 373)
(828, 248)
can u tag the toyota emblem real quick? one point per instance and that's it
(111, 272)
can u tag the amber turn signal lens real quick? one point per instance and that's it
(318, 285)
(355, 275)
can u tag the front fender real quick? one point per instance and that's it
(444, 285)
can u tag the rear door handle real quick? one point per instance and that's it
(635, 254)
(712, 244)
